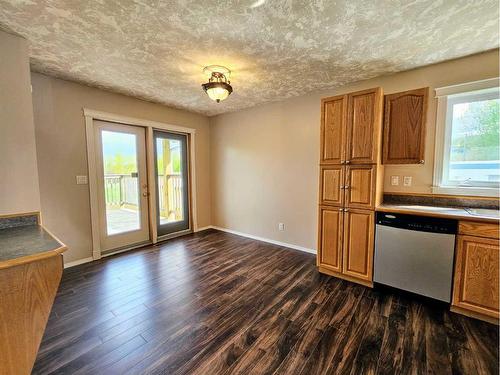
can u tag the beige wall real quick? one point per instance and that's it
(18, 170)
(61, 149)
(264, 160)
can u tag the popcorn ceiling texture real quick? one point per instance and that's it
(156, 50)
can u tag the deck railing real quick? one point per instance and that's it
(122, 191)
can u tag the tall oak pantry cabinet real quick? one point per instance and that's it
(350, 186)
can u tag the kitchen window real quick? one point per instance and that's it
(467, 157)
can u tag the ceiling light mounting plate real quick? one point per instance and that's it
(209, 70)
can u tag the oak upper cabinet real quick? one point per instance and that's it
(331, 187)
(475, 287)
(404, 127)
(364, 123)
(333, 129)
(359, 229)
(330, 243)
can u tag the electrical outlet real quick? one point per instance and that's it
(394, 180)
(407, 181)
(81, 180)
(281, 226)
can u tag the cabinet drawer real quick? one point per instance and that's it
(474, 228)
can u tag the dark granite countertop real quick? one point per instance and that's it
(26, 241)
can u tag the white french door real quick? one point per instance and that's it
(122, 185)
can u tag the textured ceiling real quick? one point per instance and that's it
(156, 50)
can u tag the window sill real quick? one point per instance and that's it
(471, 191)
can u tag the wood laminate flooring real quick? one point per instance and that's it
(217, 303)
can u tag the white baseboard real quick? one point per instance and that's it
(203, 228)
(78, 262)
(274, 242)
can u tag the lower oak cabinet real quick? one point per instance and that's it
(475, 287)
(346, 243)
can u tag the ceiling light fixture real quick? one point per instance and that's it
(218, 86)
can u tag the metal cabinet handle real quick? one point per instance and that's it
(347, 161)
(342, 162)
(341, 209)
(346, 210)
(422, 161)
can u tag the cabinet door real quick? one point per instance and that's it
(360, 186)
(404, 127)
(333, 129)
(364, 122)
(476, 275)
(358, 244)
(331, 185)
(330, 238)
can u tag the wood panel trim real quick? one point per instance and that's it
(330, 272)
(478, 229)
(31, 258)
(475, 315)
(33, 213)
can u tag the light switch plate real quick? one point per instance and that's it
(82, 180)
(394, 180)
(407, 181)
(281, 226)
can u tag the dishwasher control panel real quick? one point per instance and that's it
(417, 223)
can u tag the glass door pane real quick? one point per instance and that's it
(171, 182)
(121, 182)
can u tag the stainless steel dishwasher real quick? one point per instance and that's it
(415, 253)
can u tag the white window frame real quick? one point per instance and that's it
(447, 97)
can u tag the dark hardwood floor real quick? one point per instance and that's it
(216, 303)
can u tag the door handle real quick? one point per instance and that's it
(145, 194)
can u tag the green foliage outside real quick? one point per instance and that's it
(476, 135)
(120, 164)
(176, 162)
